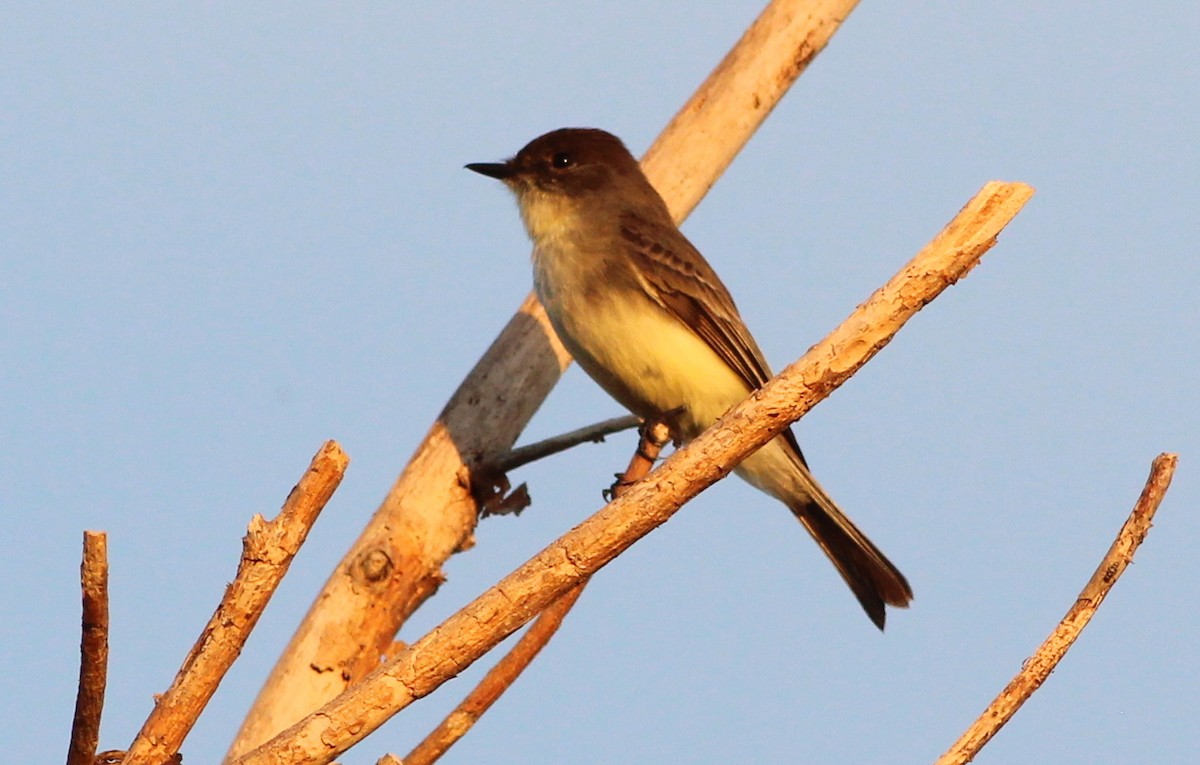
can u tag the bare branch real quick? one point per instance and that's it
(267, 552)
(429, 514)
(704, 136)
(93, 650)
(498, 680)
(1038, 667)
(577, 555)
(593, 433)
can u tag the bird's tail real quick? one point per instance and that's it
(779, 469)
(873, 578)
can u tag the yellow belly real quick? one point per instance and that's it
(647, 359)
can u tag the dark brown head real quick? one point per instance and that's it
(570, 160)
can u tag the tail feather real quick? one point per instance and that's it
(873, 579)
(779, 469)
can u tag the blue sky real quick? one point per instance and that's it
(229, 232)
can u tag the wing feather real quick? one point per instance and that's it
(683, 283)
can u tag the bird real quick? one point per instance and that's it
(648, 319)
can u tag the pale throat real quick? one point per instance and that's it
(550, 219)
(562, 267)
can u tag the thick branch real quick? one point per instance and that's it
(1038, 667)
(93, 650)
(703, 138)
(430, 513)
(267, 552)
(577, 555)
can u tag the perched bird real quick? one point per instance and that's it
(646, 317)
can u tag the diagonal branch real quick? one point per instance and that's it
(1038, 667)
(430, 513)
(481, 625)
(267, 551)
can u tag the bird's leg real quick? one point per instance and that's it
(654, 435)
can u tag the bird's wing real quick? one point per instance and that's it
(687, 286)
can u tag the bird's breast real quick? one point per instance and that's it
(640, 353)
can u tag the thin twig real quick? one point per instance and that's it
(1039, 666)
(267, 552)
(479, 626)
(500, 677)
(93, 650)
(594, 433)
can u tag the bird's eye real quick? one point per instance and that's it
(561, 160)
